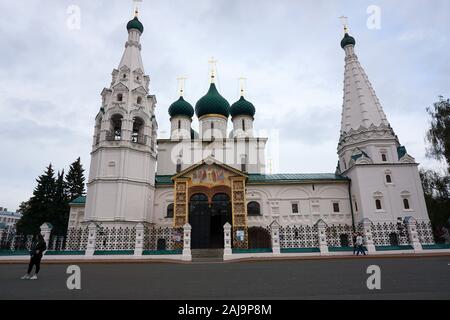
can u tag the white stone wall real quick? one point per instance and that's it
(369, 183)
(241, 131)
(180, 127)
(228, 151)
(276, 203)
(163, 197)
(219, 130)
(76, 216)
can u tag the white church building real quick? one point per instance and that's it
(217, 173)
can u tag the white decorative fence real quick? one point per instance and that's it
(299, 236)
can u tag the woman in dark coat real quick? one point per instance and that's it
(37, 251)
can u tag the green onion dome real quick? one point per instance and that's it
(181, 108)
(242, 107)
(348, 39)
(135, 24)
(212, 103)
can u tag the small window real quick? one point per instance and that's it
(170, 211)
(295, 208)
(119, 97)
(124, 76)
(335, 207)
(243, 125)
(244, 164)
(139, 100)
(178, 166)
(384, 157)
(388, 178)
(406, 204)
(253, 209)
(179, 124)
(378, 204)
(356, 206)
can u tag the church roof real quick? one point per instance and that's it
(79, 200)
(242, 107)
(212, 103)
(348, 39)
(135, 24)
(361, 107)
(293, 177)
(273, 178)
(181, 108)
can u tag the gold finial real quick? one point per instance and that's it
(344, 21)
(181, 83)
(136, 7)
(242, 86)
(212, 66)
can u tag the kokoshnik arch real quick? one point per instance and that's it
(208, 177)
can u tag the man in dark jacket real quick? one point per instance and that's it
(36, 252)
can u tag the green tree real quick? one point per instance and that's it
(75, 180)
(438, 136)
(436, 189)
(39, 208)
(60, 208)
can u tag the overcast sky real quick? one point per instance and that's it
(51, 75)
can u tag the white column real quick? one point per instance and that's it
(322, 227)
(187, 243)
(411, 225)
(139, 242)
(46, 230)
(227, 252)
(368, 237)
(92, 235)
(275, 235)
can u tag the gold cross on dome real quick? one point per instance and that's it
(212, 65)
(181, 83)
(136, 7)
(344, 21)
(242, 86)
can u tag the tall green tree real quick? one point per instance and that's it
(60, 208)
(438, 136)
(436, 186)
(75, 180)
(39, 208)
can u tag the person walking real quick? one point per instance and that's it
(359, 245)
(36, 252)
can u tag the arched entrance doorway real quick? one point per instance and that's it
(207, 219)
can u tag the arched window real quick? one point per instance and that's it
(253, 209)
(139, 100)
(378, 204)
(388, 178)
(119, 97)
(138, 131)
(384, 157)
(406, 204)
(170, 211)
(179, 124)
(116, 128)
(178, 165)
(243, 125)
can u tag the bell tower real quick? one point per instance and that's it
(385, 182)
(123, 159)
